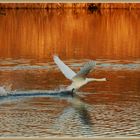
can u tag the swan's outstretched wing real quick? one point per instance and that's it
(64, 68)
(85, 69)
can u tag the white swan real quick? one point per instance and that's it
(79, 79)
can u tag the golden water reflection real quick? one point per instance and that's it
(29, 39)
(39, 34)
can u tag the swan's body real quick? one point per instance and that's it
(79, 79)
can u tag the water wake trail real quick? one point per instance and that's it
(11, 95)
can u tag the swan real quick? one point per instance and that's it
(78, 79)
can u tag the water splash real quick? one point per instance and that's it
(3, 91)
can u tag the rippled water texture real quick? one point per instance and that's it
(33, 100)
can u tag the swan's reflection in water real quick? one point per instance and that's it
(75, 120)
(82, 109)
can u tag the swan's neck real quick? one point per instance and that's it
(95, 79)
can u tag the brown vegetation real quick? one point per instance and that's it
(70, 5)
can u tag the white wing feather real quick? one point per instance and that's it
(88, 67)
(69, 73)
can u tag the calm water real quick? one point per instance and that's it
(36, 106)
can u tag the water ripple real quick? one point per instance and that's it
(100, 64)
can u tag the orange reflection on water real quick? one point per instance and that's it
(39, 34)
(109, 37)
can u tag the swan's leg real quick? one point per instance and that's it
(72, 93)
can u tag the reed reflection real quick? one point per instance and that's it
(39, 34)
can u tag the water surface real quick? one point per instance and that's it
(36, 105)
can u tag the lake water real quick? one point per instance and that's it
(36, 106)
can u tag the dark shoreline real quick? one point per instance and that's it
(90, 6)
